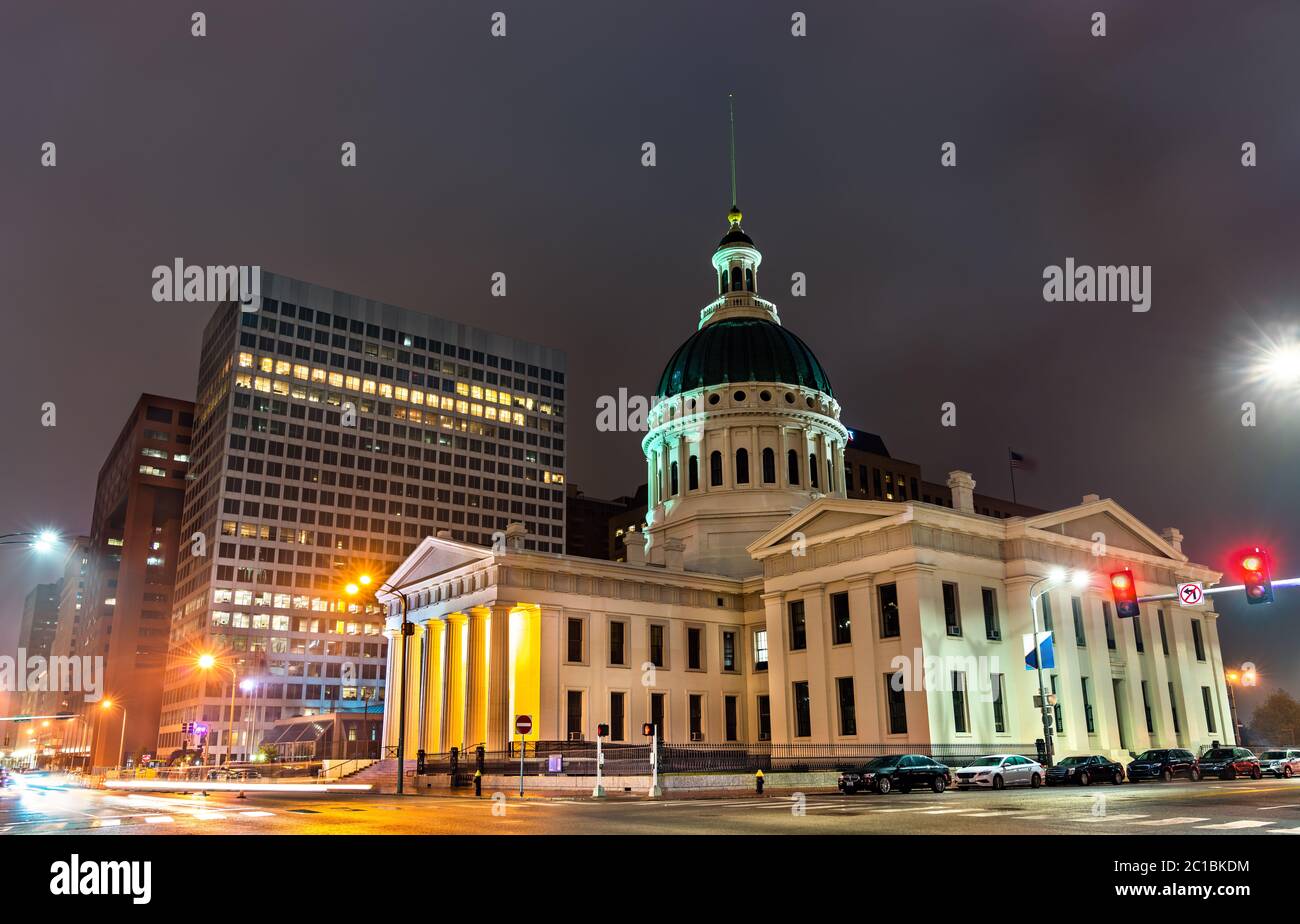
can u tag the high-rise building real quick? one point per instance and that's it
(36, 635)
(333, 433)
(134, 534)
(73, 735)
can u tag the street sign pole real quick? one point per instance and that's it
(523, 725)
(599, 791)
(521, 766)
(655, 791)
(1210, 591)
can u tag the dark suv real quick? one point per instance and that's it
(1230, 763)
(1092, 768)
(896, 771)
(1164, 764)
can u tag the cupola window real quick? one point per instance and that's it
(742, 466)
(715, 469)
(792, 460)
(812, 470)
(769, 466)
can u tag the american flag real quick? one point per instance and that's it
(1021, 461)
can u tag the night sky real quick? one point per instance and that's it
(523, 155)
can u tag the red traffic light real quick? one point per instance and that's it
(1124, 592)
(1255, 577)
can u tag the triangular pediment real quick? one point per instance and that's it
(825, 517)
(1106, 521)
(435, 556)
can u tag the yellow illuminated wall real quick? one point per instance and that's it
(526, 667)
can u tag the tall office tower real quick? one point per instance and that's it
(69, 628)
(333, 433)
(36, 636)
(134, 535)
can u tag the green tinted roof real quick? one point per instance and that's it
(742, 350)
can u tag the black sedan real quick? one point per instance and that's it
(1164, 764)
(1081, 771)
(896, 771)
(1230, 763)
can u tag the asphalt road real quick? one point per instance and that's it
(1242, 807)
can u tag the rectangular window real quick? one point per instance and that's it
(841, 633)
(960, 717)
(1198, 642)
(617, 639)
(1087, 706)
(728, 651)
(1208, 701)
(997, 685)
(760, 650)
(575, 639)
(617, 716)
(764, 718)
(1110, 624)
(802, 710)
(798, 626)
(694, 648)
(1173, 709)
(1146, 709)
(695, 709)
(951, 609)
(1164, 636)
(895, 703)
(1057, 713)
(657, 701)
(1138, 641)
(888, 596)
(730, 718)
(1076, 610)
(992, 625)
(575, 715)
(1046, 600)
(848, 719)
(657, 645)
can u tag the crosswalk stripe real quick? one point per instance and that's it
(1235, 825)
(106, 823)
(159, 819)
(1284, 830)
(257, 814)
(942, 811)
(1094, 819)
(1177, 820)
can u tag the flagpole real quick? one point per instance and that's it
(1012, 469)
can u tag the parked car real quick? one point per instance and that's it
(1164, 764)
(1091, 768)
(1230, 763)
(896, 771)
(999, 770)
(1281, 763)
(5, 779)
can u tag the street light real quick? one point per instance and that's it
(121, 743)
(207, 662)
(1055, 578)
(41, 541)
(1234, 678)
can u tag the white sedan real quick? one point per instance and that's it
(998, 771)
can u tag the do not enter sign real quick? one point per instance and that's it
(523, 724)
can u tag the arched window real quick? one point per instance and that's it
(693, 473)
(769, 466)
(715, 469)
(792, 460)
(722, 282)
(812, 470)
(830, 473)
(742, 466)
(749, 280)
(737, 279)
(672, 477)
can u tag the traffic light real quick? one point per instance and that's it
(1124, 590)
(648, 729)
(602, 730)
(1255, 576)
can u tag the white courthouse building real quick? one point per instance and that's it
(761, 605)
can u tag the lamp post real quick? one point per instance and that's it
(1054, 578)
(207, 662)
(121, 741)
(1233, 678)
(42, 541)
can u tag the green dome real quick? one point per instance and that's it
(742, 350)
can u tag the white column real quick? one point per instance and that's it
(475, 679)
(499, 728)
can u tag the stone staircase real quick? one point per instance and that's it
(382, 775)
